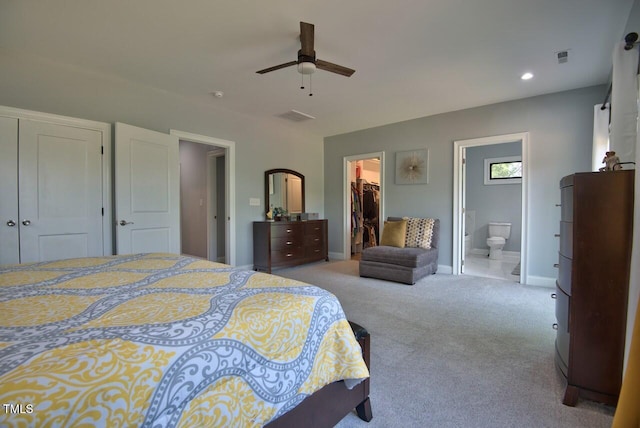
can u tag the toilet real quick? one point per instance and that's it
(498, 235)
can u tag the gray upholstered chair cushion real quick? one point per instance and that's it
(409, 257)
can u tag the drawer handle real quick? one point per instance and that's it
(557, 235)
(554, 326)
(288, 230)
(554, 295)
(555, 265)
(317, 239)
(289, 254)
(289, 242)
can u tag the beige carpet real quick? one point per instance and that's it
(456, 351)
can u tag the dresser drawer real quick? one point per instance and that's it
(562, 334)
(287, 255)
(564, 274)
(562, 309)
(313, 229)
(566, 207)
(313, 241)
(316, 253)
(566, 239)
(286, 230)
(285, 242)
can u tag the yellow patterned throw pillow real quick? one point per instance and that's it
(419, 232)
(394, 233)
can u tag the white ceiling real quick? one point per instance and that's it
(412, 58)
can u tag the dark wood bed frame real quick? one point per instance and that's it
(328, 406)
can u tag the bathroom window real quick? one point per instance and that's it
(504, 170)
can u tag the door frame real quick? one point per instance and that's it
(108, 232)
(346, 197)
(230, 185)
(459, 147)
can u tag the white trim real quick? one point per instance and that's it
(230, 197)
(459, 147)
(445, 269)
(488, 181)
(346, 198)
(334, 255)
(541, 281)
(107, 144)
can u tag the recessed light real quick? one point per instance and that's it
(218, 94)
(526, 76)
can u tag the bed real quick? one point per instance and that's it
(161, 340)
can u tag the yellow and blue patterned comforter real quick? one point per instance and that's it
(161, 340)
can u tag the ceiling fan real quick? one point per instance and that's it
(307, 62)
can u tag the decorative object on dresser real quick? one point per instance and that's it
(284, 243)
(593, 281)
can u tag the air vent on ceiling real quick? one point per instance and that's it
(563, 56)
(296, 116)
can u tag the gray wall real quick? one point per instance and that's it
(193, 189)
(560, 127)
(494, 202)
(48, 86)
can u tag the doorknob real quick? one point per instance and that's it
(124, 222)
(11, 223)
(26, 222)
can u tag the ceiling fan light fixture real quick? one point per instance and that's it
(306, 67)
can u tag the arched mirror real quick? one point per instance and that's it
(284, 189)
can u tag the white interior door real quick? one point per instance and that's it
(60, 191)
(463, 211)
(9, 220)
(147, 176)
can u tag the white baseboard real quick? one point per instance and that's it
(336, 256)
(445, 269)
(485, 251)
(480, 251)
(245, 267)
(541, 281)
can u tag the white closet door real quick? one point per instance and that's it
(60, 191)
(9, 236)
(147, 173)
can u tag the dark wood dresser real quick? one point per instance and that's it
(593, 281)
(278, 244)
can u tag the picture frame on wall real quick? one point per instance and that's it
(412, 167)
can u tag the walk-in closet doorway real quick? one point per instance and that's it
(363, 202)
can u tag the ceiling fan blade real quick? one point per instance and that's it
(306, 38)
(277, 67)
(334, 68)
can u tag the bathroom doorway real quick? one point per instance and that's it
(363, 202)
(484, 193)
(212, 195)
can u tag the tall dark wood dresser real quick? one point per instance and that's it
(593, 282)
(278, 244)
